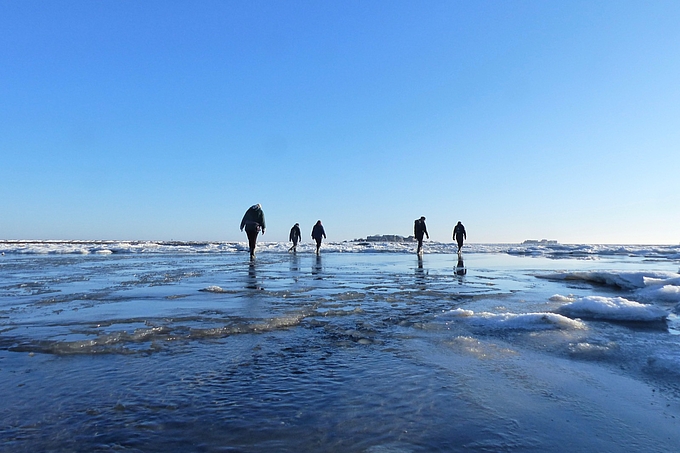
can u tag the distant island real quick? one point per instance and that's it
(386, 238)
(541, 242)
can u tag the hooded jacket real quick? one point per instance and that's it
(318, 231)
(419, 228)
(253, 218)
(295, 234)
(459, 232)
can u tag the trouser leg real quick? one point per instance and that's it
(252, 240)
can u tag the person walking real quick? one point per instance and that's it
(459, 234)
(295, 236)
(317, 233)
(253, 222)
(420, 230)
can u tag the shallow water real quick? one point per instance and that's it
(341, 352)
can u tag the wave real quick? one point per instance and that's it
(555, 251)
(151, 338)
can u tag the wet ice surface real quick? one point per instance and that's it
(343, 352)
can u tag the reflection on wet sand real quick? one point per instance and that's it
(460, 267)
(294, 263)
(295, 267)
(251, 281)
(317, 268)
(421, 274)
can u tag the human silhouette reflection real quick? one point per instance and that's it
(420, 272)
(317, 268)
(460, 267)
(294, 263)
(251, 281)
(295, 267)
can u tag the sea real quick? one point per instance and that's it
(152, 346)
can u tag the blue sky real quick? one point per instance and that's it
(167, 119)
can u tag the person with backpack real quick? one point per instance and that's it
(295, 236)
(317, 233)
(420, 230)
(459, 234)
(253, 222)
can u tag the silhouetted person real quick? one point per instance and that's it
(459, 234)
(295, 236)
(420, 230)
(317, 233)
(253, 222)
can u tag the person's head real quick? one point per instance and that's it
(297, 224)
(422, 218)
(459, 222)
(318, 222)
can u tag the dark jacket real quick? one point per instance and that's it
(295, 234)
(253, 219)
(459, 232)
(318, 231)
(419, 228)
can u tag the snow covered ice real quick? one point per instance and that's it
(613, 308)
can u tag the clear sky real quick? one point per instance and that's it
(168, 119)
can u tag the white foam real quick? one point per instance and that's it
(513, 321)
(546, 250)
(613, 309)
(595, 250)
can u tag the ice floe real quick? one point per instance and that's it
(514, 321)
(644, 286)
(610, 308)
